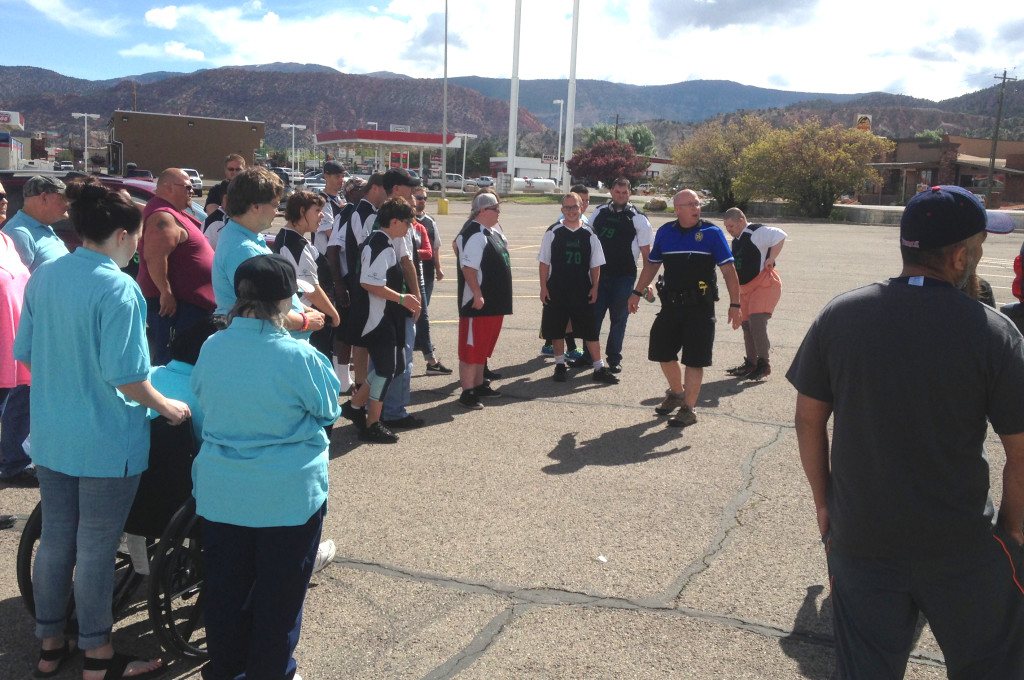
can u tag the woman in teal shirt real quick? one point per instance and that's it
(260, 479)
(83, 332)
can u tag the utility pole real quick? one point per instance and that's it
(616, 127)
(995, 138)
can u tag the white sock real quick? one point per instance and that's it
(560, 359)
(599, 364)
(344, 375)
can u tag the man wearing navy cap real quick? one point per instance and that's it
(913, 370)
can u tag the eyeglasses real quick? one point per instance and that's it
(420, 198)
(570, 207)
(186, 187)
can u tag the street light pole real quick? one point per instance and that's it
(465, 136)
(85, 140)
(294, 127)
(558, 149)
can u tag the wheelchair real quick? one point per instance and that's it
(162, 541)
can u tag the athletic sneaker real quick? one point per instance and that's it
(574, 353)
(614, 366)
(684, 417)
(581, 362)
(324, 555)
(603, 375)
(671, 403)
(743, 369)
(409, 422)
(761, 371)
(548, 350)
(469, 400)
(438, 368)
(356, 415)
(486, 390)
(491, 375)
(378, 434)
(560, 372)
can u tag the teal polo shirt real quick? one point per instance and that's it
(235, 245)
(83, 329)
(172, 381)
(267, 398)
(35, 242)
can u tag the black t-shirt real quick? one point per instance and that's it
(913, 369)
(216, 193)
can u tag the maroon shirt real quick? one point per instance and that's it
(189, 265)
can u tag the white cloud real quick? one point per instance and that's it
(163, 17)
(75, 19)
(171, 49)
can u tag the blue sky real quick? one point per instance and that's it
(934, 50)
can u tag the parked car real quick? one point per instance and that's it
(66, 166)
(454, 182)
(484, 181)
(290, 177)
(197, 180)
(139, 189)
(134, 173)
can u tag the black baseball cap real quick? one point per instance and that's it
(943, 215)
(270, 278)
(397, 177)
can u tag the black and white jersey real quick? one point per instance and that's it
(570, 255)
(623, 233)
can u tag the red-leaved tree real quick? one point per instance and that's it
(606, 162)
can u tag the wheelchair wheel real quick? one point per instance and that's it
(176, 586)
(126, 579)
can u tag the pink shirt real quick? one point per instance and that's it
(13, 277)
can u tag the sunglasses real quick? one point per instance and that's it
(3, 196)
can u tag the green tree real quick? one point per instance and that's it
(931, 135)
(640, 136)
(607, 161)
(811, 165)
(642, 139)
(712, 156)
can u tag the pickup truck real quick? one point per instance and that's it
(454, 182)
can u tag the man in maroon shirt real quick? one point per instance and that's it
(176, 263)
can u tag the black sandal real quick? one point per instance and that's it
(115, 666)
(60, 655)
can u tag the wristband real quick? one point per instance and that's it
(305, 322)
(734, 304)
(401, 300)
(638, 293)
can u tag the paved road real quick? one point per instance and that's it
(565, 531)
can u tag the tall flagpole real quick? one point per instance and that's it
(570, 113)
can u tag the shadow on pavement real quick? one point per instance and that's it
(624, 446)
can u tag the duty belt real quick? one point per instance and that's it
(701, 294)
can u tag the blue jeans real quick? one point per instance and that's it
(256, 582)
(397, 397)
(613, 297)
(14, 428)
(163, 328)
(83, 519)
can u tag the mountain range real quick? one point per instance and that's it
(325, 99)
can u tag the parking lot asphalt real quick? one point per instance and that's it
(565, 531)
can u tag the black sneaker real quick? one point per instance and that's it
(378, 434)
(470, 400)
(743, 369)
(582, 362)
(356, 415)
(761, 371)
(438, 368)
(615, 366)
(26, 479)
(491, 375)
(410, 422)
(560, 372)
(7, 521)
(486, 390)
(604, 375)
